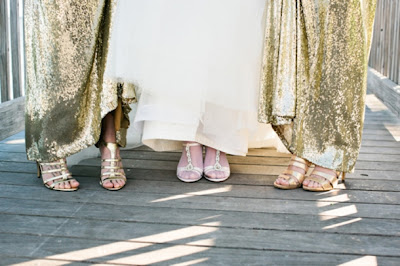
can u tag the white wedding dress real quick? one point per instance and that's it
(197, 67)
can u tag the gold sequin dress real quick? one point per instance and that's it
(314, 77)
(67, 95)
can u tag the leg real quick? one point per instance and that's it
(108, 136)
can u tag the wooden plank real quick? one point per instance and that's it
(386, 40)
(12, 117)
(383, 137)
(129, 252)
(12, 260)
(199, 235)
(364, 150)
(30, 167)
(239, 165)
(168, 185)
(271, 152)
(386, 90)
(380, 143)
(85, 175)
(25, 209)
(364, 160)
(13, 157)
(12, 148)
(210, 200)
(379, 150)
(269, 155)
(249, 160)
(18, 136)
(381, 126)
(379, 158)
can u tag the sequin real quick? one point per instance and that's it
(67, 95)
(314, 77)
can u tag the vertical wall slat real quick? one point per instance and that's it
(15, 56)
(3, 51)
(385, 50)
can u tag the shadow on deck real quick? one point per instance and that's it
(158, 220)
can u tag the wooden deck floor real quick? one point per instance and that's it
(158, 220)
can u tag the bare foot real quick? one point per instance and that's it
(190, 166)
(216, 165)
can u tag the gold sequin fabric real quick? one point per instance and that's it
(314, 77)
(67, 95)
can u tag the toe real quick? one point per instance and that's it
(313, 184)
(67, 185)
(60, 185)
(221, 175)
(188, 175)
(107, 184)
(194, 176)
(74, 183)
(119, 182)
(116, 184)
(283, 182)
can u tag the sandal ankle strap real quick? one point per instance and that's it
(111, 160)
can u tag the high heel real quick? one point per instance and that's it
(293, 177)
(189, 167)
(113, 172)
(217, 167)
(39, 172)
(328, 183)
(64, 177)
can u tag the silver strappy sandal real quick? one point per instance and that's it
(189, 167)
(217, 167)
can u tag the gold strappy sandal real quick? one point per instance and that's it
(113, 172)
(329, 181)
(65, 175)
(293, 177)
